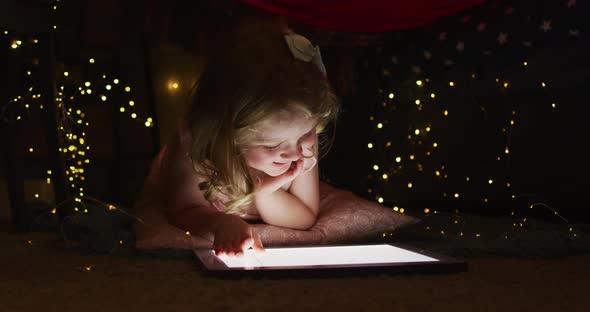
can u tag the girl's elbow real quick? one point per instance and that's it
(309, 223)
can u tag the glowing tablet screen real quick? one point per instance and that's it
(331, 255)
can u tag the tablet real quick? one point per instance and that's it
(341, 259)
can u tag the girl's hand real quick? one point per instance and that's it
(265, 184)
(234, 236)
(308, 164)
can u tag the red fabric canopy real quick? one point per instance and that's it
(363, 15)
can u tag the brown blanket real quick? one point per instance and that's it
(39, 274)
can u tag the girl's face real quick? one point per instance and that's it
(279, 141)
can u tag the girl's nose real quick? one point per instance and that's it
(293, 153)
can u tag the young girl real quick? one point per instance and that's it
(247, 149)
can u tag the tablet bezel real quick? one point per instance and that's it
(445, 264)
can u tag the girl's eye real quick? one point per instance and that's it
(272, 147)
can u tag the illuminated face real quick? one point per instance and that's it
(279, 142)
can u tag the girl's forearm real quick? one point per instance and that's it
(281, 208)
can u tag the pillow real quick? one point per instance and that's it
(344, 218)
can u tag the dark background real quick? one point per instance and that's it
(147, 44)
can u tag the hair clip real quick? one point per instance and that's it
(302, 49)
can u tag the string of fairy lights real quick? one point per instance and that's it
(72, 98)
(73, 95)
(420, 136)
(402, 164)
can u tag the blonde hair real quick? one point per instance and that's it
(249, 78)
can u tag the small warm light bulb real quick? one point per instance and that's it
(417, 102)
(452, 84)
(391, 95)
(543, 84)
(525, 63)
(30, 149)
(446, 112)
(91, 61)
(419, 82)
(505, 84)
(122, 109)
(87, 83)
(127, 89)
(434, 144)
(410, 185)
(133, 115)
(380, 200)
(490, 181)
(116, 81)
(187, 233)
(375, 167)
(426, 210)
(398, 159)
(131, 103)
(370, 145)
(456, 195)
(432, 95)
(379, 125)
(385, 176)
(108, 87)
(103, 98)
(66, 74)
(417, 131)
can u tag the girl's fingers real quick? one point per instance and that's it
(296, 168)
(257, 246)
(247, 243)
(309, 163)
